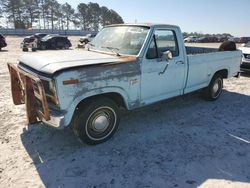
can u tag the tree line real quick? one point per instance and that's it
(49, 14)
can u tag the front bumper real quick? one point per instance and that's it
(28, 89)
(245, 65)
(56, 120)
(245, 62)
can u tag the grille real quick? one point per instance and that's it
(35, 87)
(247, 56)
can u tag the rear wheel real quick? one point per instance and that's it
(86, 41)
(25, 49)
(43, 47)
(97, 120)
(66, 46)
(214, 90)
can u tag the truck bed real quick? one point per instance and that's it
(191, 50)
(205, 62)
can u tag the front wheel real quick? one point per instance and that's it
(214, 90)
(86, 41)
(66, 46)
(43, 47)
(25, 49)
(97, 121)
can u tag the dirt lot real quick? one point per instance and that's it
(184, 142)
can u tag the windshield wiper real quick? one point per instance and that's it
(112, 49)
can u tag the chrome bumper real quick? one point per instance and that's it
(56, 121)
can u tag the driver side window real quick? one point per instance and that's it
(163, 41)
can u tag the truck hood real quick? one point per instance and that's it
(52, 61)
(245, 50)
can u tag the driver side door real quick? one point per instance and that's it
(163, 78)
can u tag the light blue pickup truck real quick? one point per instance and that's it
(125, 66)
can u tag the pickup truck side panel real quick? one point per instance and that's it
(202, 67)
(121, 78)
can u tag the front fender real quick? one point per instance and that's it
(69, 112)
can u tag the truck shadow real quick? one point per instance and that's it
(185, 142)
(2, 51)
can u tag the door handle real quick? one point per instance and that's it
(180, 63)
(161, 73)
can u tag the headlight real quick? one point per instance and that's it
(50, 91)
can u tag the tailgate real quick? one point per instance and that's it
(28, 89)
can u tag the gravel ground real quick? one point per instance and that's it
(183, 142)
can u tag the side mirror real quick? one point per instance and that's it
(167, 56)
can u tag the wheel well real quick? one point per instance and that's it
(223, 73)
(116, 97)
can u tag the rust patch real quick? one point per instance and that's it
(17, 86)
(110, 71)
(23, 92)
(73, 81)
(30, 101)
(122, 60)
(128, 59)
(116, 74)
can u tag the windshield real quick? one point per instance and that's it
(47, 37)
(120, 39)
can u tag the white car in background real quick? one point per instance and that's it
(87, 38)
(246, 56)
(234, 39)
(191, 39)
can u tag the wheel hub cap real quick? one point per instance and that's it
(216, 87)
(100, 123)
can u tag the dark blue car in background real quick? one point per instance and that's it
(2, 42)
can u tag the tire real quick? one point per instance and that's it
(66, 47)
(86, 41)
(96, 121)
(228, 46)
(33, 49)
(214, 90)
(25, 49)
(43, 47)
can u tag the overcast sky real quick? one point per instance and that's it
(207, 16)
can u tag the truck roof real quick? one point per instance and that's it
(144, 25)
